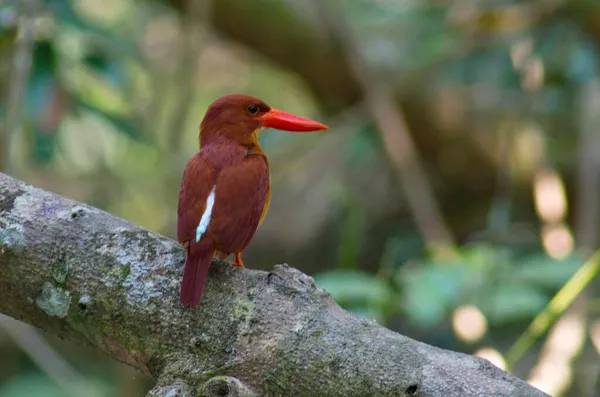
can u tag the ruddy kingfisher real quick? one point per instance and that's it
(225, 190)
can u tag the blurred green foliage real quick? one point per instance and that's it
(36, 385)
(505, 285)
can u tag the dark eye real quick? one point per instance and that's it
(253, 109)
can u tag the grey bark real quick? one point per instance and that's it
(89, 277)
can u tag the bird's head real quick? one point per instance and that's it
(242, 117)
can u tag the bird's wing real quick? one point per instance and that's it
(242, 190)
(266, 205)
(199, 177)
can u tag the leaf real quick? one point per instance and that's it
(547, 272)
(355, 288)
(351, 230)
(511, 302)
(30, 386)
(43, 146)
(66, 15)
(485, 256)
(430, 291)
(37, 384)
(91, 141)
(42, 80)
(583, 62)
(370, 312)
(45, 106)
(363, 146)
(121, 123)
(108, 68)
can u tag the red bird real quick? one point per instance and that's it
(225, 190)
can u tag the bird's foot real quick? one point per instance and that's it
(238, 260)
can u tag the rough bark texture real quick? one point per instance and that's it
(89, 277)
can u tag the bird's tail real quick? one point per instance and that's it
(196, 267)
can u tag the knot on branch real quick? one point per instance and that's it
(225, 386)
(293, 277)
(292, 282)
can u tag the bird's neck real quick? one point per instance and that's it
(252, 147)
(248, 141)
(220, 153)
(255, 149)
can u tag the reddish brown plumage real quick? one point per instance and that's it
(232, 162)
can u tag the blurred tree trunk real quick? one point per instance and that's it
(7, 47)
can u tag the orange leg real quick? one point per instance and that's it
(238, 260)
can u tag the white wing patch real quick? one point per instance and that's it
(205, 220)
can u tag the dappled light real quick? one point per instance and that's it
(492, 355)
(557, 240)
(550, 198)
(595, 334)
(469, 323)
(532, 74)
(553, 371)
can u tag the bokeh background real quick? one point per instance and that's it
(455, 197)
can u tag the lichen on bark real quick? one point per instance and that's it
(55, 301)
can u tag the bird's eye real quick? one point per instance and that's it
(253, 109)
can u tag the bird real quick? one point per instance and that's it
(225, 188)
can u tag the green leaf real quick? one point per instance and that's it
(541, 270)
(430, 291)
(121, 123)
(363, 146)
(583, 62)
(44, 57)
(370, 312)
(37, 384)
(30, 386)
(485, 256)
(66, 15)
(355, 288)
(510, 302)
(42, 103)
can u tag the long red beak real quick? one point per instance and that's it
(281, 120)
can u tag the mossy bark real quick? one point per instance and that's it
(89, 277)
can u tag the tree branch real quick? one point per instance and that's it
(89, 277)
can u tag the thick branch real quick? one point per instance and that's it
(89, 277)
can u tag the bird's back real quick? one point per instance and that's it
(240, 179)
